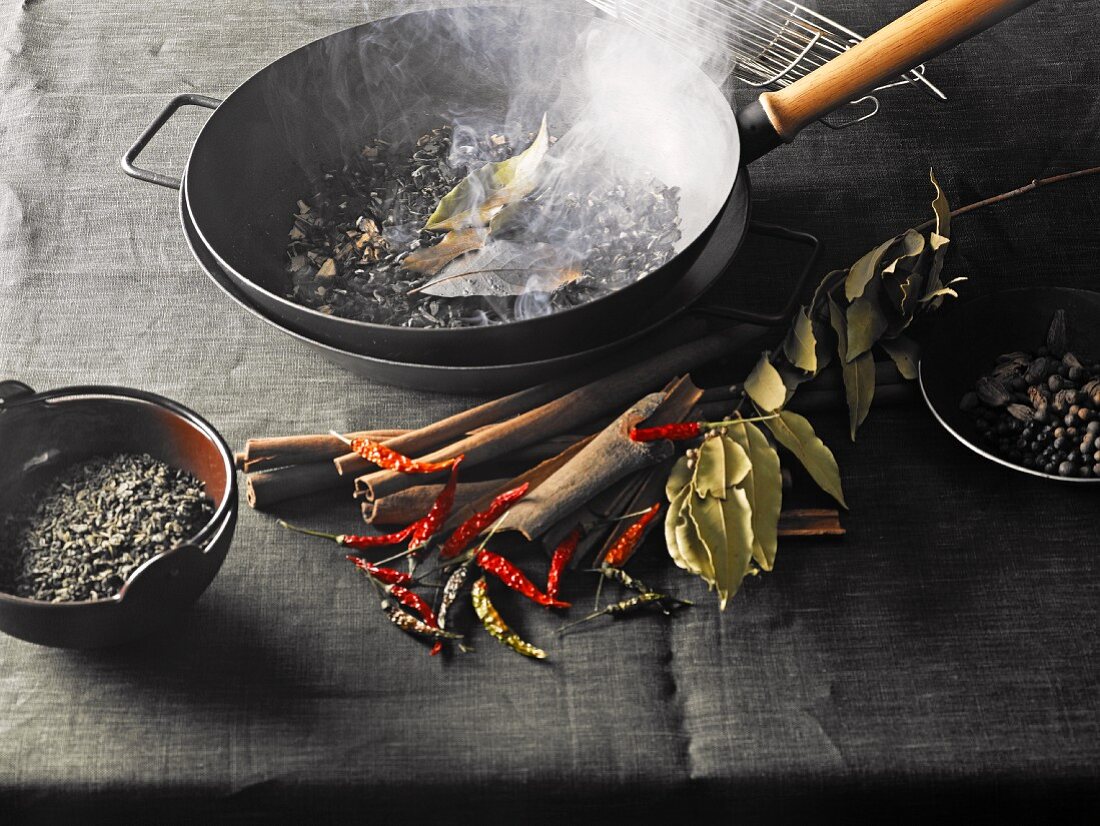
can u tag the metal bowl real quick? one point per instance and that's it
(43, 433)
(966, 339)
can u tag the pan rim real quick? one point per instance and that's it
(367, 327)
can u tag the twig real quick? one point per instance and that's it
(1004, 196)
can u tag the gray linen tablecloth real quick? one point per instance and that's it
(944, 651)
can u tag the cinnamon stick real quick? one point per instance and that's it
(681, 396)
(810, 522)
(267, 487)
(409, 505)
(281, 451)
(437, 434)
(567, 412)
(533, 477)
(612, 455)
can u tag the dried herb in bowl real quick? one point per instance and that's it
(80, 535)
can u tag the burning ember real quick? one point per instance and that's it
(511, 236)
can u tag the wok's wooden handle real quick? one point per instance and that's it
(928, 30)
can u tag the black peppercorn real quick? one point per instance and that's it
(1055, 383)
(1065, 469)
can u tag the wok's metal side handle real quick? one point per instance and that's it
(129, 159)
(11, 390)
(808, 269)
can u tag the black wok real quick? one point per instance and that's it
(262, 147)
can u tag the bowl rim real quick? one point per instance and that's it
(209, 528)
(962, 438)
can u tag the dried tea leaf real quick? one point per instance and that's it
(765, 386)
(710, 469)
(478, 196)
(501, 269)
(735, 558)
(906, 354)
(938, 240)
(800, 346)
(858, 375)
(763, 486)
(430, 260)
(797, 435)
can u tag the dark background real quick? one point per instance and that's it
(941, 657)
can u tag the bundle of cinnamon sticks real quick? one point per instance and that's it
(568, 438)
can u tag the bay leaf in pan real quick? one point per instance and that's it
(504, 269)
(481, 194)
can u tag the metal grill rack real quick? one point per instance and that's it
(772, 42)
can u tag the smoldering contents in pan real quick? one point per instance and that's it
(647, 144)
(358, 247)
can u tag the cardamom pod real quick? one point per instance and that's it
(1037, 370)
(992, 392)
(1070, 360)
(1056, 336)
(1011, 367)
(1015, 355)
(1021, 412)
(1038, 395)
(1091, 387)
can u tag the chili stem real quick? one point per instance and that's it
(739, 420)
(334, 537)
(394, 558)
(341, 437)
(596, 604)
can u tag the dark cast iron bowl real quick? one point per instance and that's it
(42, 433)
(967, 337)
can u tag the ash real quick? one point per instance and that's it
(350, 237)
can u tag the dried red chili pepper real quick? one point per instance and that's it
(425, 528)
(679, 431)
(413, 600)
(349, 540)
(674, 432)
(390, 459)
(624, 546)
(387, 576)
(563, 555)
(514, 578)
(465, 532)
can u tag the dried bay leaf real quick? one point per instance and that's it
(765, 386)
(738, 462)
(689, 544)
(864, 270)
(678, 478)
(738, 552)
(478, 196)
(859, 389)
(710, 469)
(430, 260)
(796, 434)
(504, 268)
(763, 486)
(858, 375)
(906, 354)
(708, 517)
(800, 345)
(866, 322)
